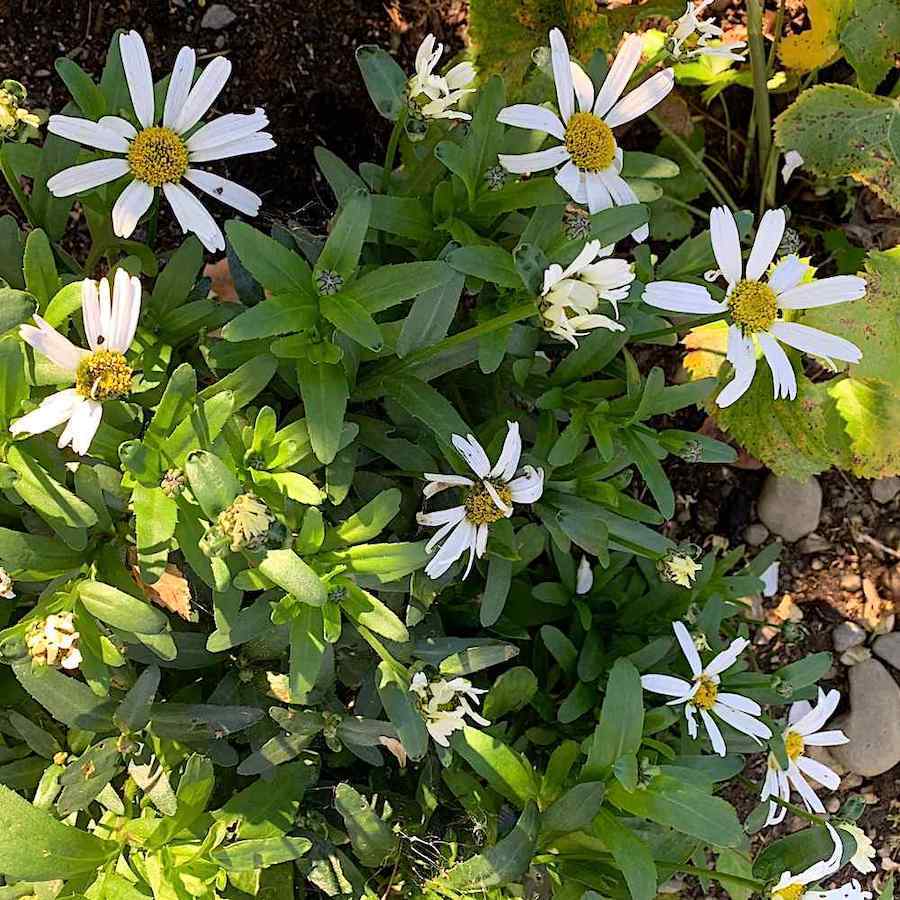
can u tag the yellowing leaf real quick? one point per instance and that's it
(707, 345)
(820, 44)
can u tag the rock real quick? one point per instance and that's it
(855, 655)
(756, 534)
(847, 635)
(813, 543)
(888, 648)
(873, 724)
(790, 508)
(851, 582)
(885, 489)
(833, 804)
(218, 16)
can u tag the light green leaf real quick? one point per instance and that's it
(385, 80)
(869, 40)
(294, 576)
(372, 839)
(324, 390)
(506, 771)
(121, 610)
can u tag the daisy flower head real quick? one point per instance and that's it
(803, 730)
(756, 301)
(590, 158)
(702, 696)
(570, 296)
(165, 155)
(794, 887)
(446, 704)
(490, 496)
(434, 96)
(679, 566)
(707, 30)
(101, 373)
(6, 585)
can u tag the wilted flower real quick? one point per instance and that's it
(173, 482)
(434, 96)
(245, 523)
(690, 23)
(865, 852)
(54, 642)
(16, 122)
(6, 585)
(680, 566)
(445, 705)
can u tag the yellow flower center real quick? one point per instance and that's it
(103, 375)
(480, 506)
(590, 142)
(706, 695)
(158, 156)
(789, 892)
(793, 744)
(753, 306)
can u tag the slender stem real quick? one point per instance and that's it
(686, 325)
(710, 873)
(391, 152)
(642, 70)
(702, 213)
(776, 43)
(717, 189)
(16, 188)
(153, 223)
(758, 65)
(796, 810)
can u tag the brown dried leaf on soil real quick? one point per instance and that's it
(171, 592)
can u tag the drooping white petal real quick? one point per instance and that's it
(619, 75)
(799, 709)
(86, 177)
(130, 205)
(441, 516)
(787, 274)
(82, 426)
(473, 453)
(437, 483)
(126, 310)
(235, 195)
(768, 237)
(728, 657)
(90, 311)
(803, 788)
(825, 867)
(584, 87)
(742, 356)
(203, 94)
(783, 378)
(460, 539)
(179, 85)
(534, 162)
(587, 253)
(460, 76)
(819, 343)
(508, 461)
(832, 738)
(91, 134)
(255, 143)
(745, 704)
(641, 99)
(136, 64)
(623, 195)
(443, 531)
(715, 736)
(529, 486)
(681, 297)
(666, 684)
(55, 346)
(726, 243)
(193, 217)
(535, 118)
(819, 772)
(743, 722)
(690, 714)
(572, 181)
(562, 74)
(823, 292)
(504, 507)
(688, 648)
(225, 129)
(816, 717)
(53, 411)
(598, 193)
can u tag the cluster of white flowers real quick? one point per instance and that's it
(54, 642)
(434, 96)
(446, 704)
(707, 31)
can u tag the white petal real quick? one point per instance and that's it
(623, 195)
(571, 180)
(82, 426)
(505, 508)
(690, 718)
(529, 486)
(203, 94)
(84, 131)
(119, 126)
(619, 75)
(179, 85)
(139, 77)
(826, 739)
(742, 356)
(738, 702)
(768, 237)
(819, 343)
(787, 274)
(126, 310)
(665, 684)
(819, 772)
(824, 709)
(534, 162)
(90, 311)
(825, 867)
(743, 722)
(783, 378)
(792, 161)
(442, 532)
(726, 243)
(688, 648)
(823, 292)
(535, 118)
(462, 538)
(226, 129)
(641, 99)
(584, 577)
(193, 216)
(715, 736)
(256, 143)
(55, 346)
(105, 307)
(799, 709)
(473, 453)
(461, 76)
(807, 794)
(727, 658)
(441, 516)
(562, 74)
(598, 193)
(235, 195)
(438, 483)
(85, 177)
(678, 296)
(769, 578)
(131, 204)
(584, 87)
(586, 255)
(481, 539)
(53, 411)
(508, 461)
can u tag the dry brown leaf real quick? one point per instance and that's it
(878, 614)
(171, 592)
(395, 748)
(222, 282)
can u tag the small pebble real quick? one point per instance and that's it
(856, 655)
(817, 565)
(885, 489)
(833, 804)
(851, 582)
(756, 534)
(218, 16)
(847, 635)
(851, 782)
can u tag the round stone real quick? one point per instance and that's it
(789, 508)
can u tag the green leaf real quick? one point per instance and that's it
(269, 262)
(67, 700)
(348, 233)
(431, 315)
(242, 856)
(621, 721)
(505, 770)
(307, 643)
(324, 390)
(175, 281)
(133, 713)
(373, 841)
(385, 80)
(33, 557)
(869, 40)
(13, 380)
(645, 165)
(81, 86)
(400, 706)
(363, 608)
(340, 177)
(194, 790)
(121, 610)
(156, 516)
(793, 853)
(632, 855)
(404, 216)
(213, 484)
(573, 811)
(368, 522)
(733, 862)
(387, 286)
(492, 264)
(245, 382)
(294, 576)
(496, 590)
(280, 314)
(352, 319)
(41, 277)
(16, 307)
(511, 691)
(36, 847)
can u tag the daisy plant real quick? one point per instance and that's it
(760, 302)
(163, 154)
(434, 96)
(702, 695)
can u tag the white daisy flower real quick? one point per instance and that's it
(590, 158)
(708, 30)
(489, 498)
(570, 296)
(702, 695)
(865, 852)
(755, 306)
(6, 585)
(161, 156)
(436, 95)
(445, 705)
(101, 373)
(793, 887)
(804, 724)
(584, 577)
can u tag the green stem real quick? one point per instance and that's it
(391, 152)
(642, 70)
(153, 223)
(702, 213)
(716, 188)
(796, 810)
(686, 325)
(751, 883)
(758, 65)
(16, 188)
